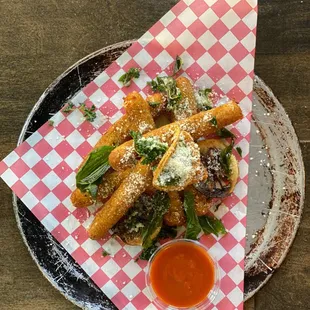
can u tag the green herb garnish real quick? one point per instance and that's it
(192, 223)
(209, 225)
(177, 64)
(212, 225)
(128, 76)
(225, 159)
(225, 133)
(50, 122)
(213, 121)
(147, 253)
(239, 150)
(153, 104)
(172, 181)
(105, 253)
(203, 101)
(88, 113)
(150, 148)
(167, 232)
(167, 86)
(161, 204)
(90, 174)
(70, 107)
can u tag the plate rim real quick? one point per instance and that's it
(36, 107)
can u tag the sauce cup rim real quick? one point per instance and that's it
(211, 295)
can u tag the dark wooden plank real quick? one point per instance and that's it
(283, 57)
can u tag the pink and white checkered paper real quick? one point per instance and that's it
(216, 40)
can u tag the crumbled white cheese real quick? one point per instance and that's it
(144, 127)
(183, 110)
(179, 167)
(207, 117)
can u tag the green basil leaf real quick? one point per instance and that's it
(92, 189)
(225, 158)
(239, 150)
(161, 204)
(95, 175)
(96, 165)
(212, 225)
(225, 133)
(192, 223)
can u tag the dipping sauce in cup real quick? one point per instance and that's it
(183, 275)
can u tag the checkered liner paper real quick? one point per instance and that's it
(216, 40)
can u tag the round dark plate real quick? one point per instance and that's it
(273, 224)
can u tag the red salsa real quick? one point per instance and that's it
(182, 274)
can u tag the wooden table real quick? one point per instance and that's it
(40, 39)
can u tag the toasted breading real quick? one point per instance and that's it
(156, 102)
(202, 203)
(175, 215)
(137, 118)
(137, 240)
(187, 105)
(121, 200)
(110, 182)
(80, 199)
(197, 126)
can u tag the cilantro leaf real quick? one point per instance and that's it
(89, 113)
(150, 148)
(128, 76)
(167, 86)
(192, 223)
(105, 253)
(212, 225)
(177, 64)
(203, 101)
(50, 122)
(239, 150)
(68, 108)
(153, 104)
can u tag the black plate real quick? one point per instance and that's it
(53, 260)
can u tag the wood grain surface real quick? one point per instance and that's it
(39, 39)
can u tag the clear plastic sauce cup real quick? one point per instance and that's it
(181, 274)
